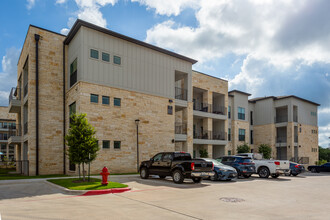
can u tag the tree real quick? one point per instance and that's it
(324, 153)
(244, 148)
(265, 150)
(83, 145)
(203, 153)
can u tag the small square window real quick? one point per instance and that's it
(106, 57)
(94, 98)
(94, 54)
(117, 102)
(106, 144)
(105, 100)
(116, 144)
(117, 60)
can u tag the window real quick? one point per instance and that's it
(106, 57)
(167, 157)
(251, 117)
(116, 60)
(73, 72)
(229, 134)
(241, 113)
(158, 157)
(94, 54)
(117, 102)
(251, 137)
(5, 125)
(106, 145)
(169, 110)
(241, 134)
(94, 98)
(72, 110)
(116, 144)
(105, 100)
(229, 111)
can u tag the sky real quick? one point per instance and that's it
(263, 47)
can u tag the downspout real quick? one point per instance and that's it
(37, 37)
(64, 148)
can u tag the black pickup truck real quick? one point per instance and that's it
(179, 165)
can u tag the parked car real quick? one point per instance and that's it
(221, 171)
(296, 168)
(316, 169)
(243, 165)
(179, 165)
(266, 168)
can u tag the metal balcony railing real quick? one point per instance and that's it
(181, 93)
(25, 128)
(221, 135)
(180, 128)
(15, 130)
(203, 135)
(281, 139)
(219, 109)
(15, 94)
(281, 118)
(296, 138)
(203, 107)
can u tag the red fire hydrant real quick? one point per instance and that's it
(105, 173)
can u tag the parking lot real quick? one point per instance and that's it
(303, 197)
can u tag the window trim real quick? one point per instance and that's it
(104, 96)
(90, 54)
(97, 98)
(114, 99)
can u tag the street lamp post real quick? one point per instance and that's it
(137, 121)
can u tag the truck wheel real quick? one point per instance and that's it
(263, 172)
(246, 175)
(197, 180)
(294, 174)
(177, 176)
(215, 177)
(144, 173)
(162, 176)
(275, 176)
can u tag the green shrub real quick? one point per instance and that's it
(320, 162)
(265, 150)
(244, 148)
(203, 153)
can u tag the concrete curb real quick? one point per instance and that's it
(88, 192)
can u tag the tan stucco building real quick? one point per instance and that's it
(117, 81)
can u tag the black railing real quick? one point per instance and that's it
(219, 109)
(220, 135)
(25, 128)
(73, 78)
(203, 107)
(180, 128)
(295, 118)
(181, 93)
(15, 94)
(15, 130)
(281, 139)
(296, 138)
(26, 89)
(280, 119)
(203, 135)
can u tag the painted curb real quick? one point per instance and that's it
(89, 192)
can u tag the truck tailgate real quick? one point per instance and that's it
(202, 166)
(284, 165)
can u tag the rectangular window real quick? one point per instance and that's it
(229, 152)
(229, 134)
(241, 113)
(105, 100)
(117, 102)
(241, 134)
(116, 144)
(169, 110)
(94, 98)
(229, 111)
(72, 110)
(105, 57)
(73, 72)
(251, 117)
(5, 136)
(5, 125)
(251, 137)
(106, 145)
(94, 54)
(117, 60)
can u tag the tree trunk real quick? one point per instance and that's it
(83, 165)
(79, 169)
(89, 170)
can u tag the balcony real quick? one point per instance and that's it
(181, 93)
(15, 134)
(221, 135)
(209, 137)
(210, 111)
(281, 139)
(180, 130)
(15, 100)
(281, 119)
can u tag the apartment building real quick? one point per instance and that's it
(286, 123)
(7, 124)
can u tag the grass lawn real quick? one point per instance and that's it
(94, 184)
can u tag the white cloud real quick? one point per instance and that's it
(324, 135)
(8, 74)
(65, 31)
(30, 4)
(61, 1)
(168, 7)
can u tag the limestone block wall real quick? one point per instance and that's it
(235, 126)
(264, 134)
(307, 141)
(4, 114)
(113, 123)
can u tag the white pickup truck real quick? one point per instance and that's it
(268, 167)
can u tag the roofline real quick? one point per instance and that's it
(210, 75)
(235, 90)
(286, 97)
(80, 23)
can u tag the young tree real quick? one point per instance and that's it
(244, 148)
(82, 143)
(203, 153)
(265, 150)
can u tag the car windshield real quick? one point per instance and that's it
(215, 162)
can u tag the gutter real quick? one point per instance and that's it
(37, 37)
(64, 148)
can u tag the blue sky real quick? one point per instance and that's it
(264, 47)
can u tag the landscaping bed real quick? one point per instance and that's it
(93, 184)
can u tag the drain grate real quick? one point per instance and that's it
(231, 199)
